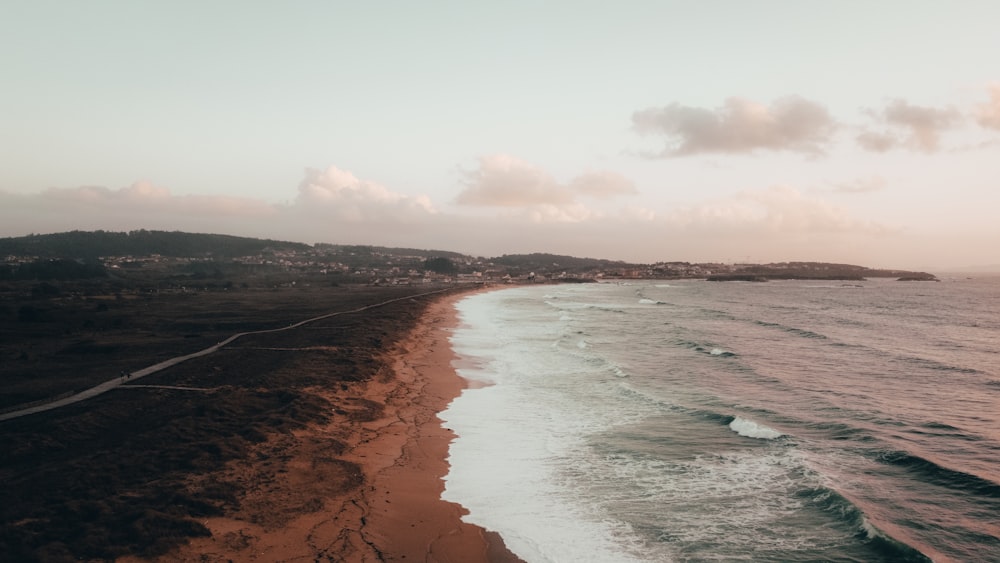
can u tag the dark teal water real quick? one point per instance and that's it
(698, 421)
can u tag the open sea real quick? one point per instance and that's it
(701, 421)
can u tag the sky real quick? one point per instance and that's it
(711, 131)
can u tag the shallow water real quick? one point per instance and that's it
(694, 421)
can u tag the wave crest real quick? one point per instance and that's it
(751, 429)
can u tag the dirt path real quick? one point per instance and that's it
(119, 381)
(173, 387)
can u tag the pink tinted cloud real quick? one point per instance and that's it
(778, 210)
(502, 180)
(335, 206)
(988, 114)
(739, 126)
(139, 206)
(505, 181)
(338, 194)
(861, 185)
(877, 142)
(143, 198)
(602, 185)
(907, 125)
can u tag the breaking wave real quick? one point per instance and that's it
(751, 429)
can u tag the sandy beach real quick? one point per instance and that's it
(398, 447)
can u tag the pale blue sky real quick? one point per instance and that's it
(207, 115)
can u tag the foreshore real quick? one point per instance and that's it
(396, 512)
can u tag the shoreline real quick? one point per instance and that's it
(408, 518)
(391, 444)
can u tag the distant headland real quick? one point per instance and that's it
(816, 271)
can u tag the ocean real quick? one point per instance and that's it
(702, 421)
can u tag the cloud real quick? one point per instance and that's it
(779, 223)
(142, 205)
(911, 126)
(877, 142)
(338, 194)
(740, 126)
(332, 205)
(602, 185)
(507, 182)
(636, 213)
(547, 213)
(861, 185)
(778, 210)
(144, 198)
(988, 114)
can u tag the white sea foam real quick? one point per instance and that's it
(515, 438)
(757, 488)
(751, 429)
(717, 351)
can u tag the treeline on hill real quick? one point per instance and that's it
(367, 250)
(361, 256)
(89, 245)
(552, 262)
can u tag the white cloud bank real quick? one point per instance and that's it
(143, 197)
(330, 204)
(779, 210)
(519, 208)
(521, 189)
(338, 195)
(141, 205)
(502, 180)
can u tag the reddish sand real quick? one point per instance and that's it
(396, 514)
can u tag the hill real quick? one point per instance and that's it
(541, 262)
(85, 245)
(815, 271)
